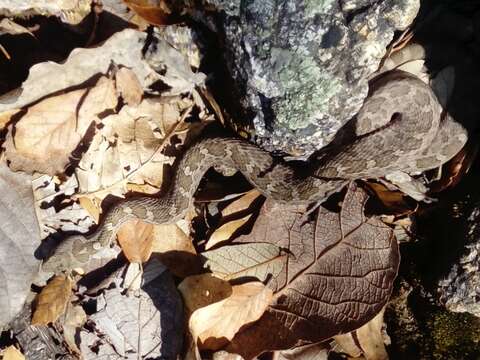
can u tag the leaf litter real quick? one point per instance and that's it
(102, 129)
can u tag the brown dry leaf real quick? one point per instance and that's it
(339, 275)
(216, 324)
(366, 340)
(92, 208)
(154, 14)
(454, 170)
(51, 129)
(175, 250)
(135, 238)
(128, 86)
(75, 318)
(242, 203)
(52, 300)
(395, 202)
(199, 291)
(225, 232)
(12, 353)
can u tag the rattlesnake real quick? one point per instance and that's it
(401, 127)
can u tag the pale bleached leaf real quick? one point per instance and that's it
(19, 238)
(214, 325)
(256, 260)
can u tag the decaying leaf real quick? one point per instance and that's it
(202, 290)
(216, 324)
(128, 148)
(52, 300)
(12, 353)
(255, 260)
(147, 325)
(19, 238)
(339, 276)
(50, 130)
(225, 232)
(135, 239)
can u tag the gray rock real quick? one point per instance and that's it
(302, 65)
(460, 290)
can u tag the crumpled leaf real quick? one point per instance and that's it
(148, 325)
(19, 237)
(52, 300)
(124, 48)
(128, 149)
(47, 134)
(256, 260)
(339, 277)
(216, 324)
(69, 11)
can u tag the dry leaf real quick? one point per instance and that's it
(6, 116)
(395, 202)
(366, 340)
(175, 250)
(8, 26)
(216, 324)
(339, 275)
(52, 300)
(128, 86)
(225, 232)
(201, 290)
(154, 14)
(257, 260)
(75, 317)
(19, 238)
(128, 148)
(135, 238)
(242, 203)
(51, 129)
(92, 208)
(12, 353)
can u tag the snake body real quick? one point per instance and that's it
(399, 128)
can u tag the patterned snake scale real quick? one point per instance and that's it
(417, 139)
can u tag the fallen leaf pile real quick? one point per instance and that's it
(237, 277)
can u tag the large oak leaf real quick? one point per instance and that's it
(338, 277)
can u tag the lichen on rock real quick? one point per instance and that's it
(302, 67)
